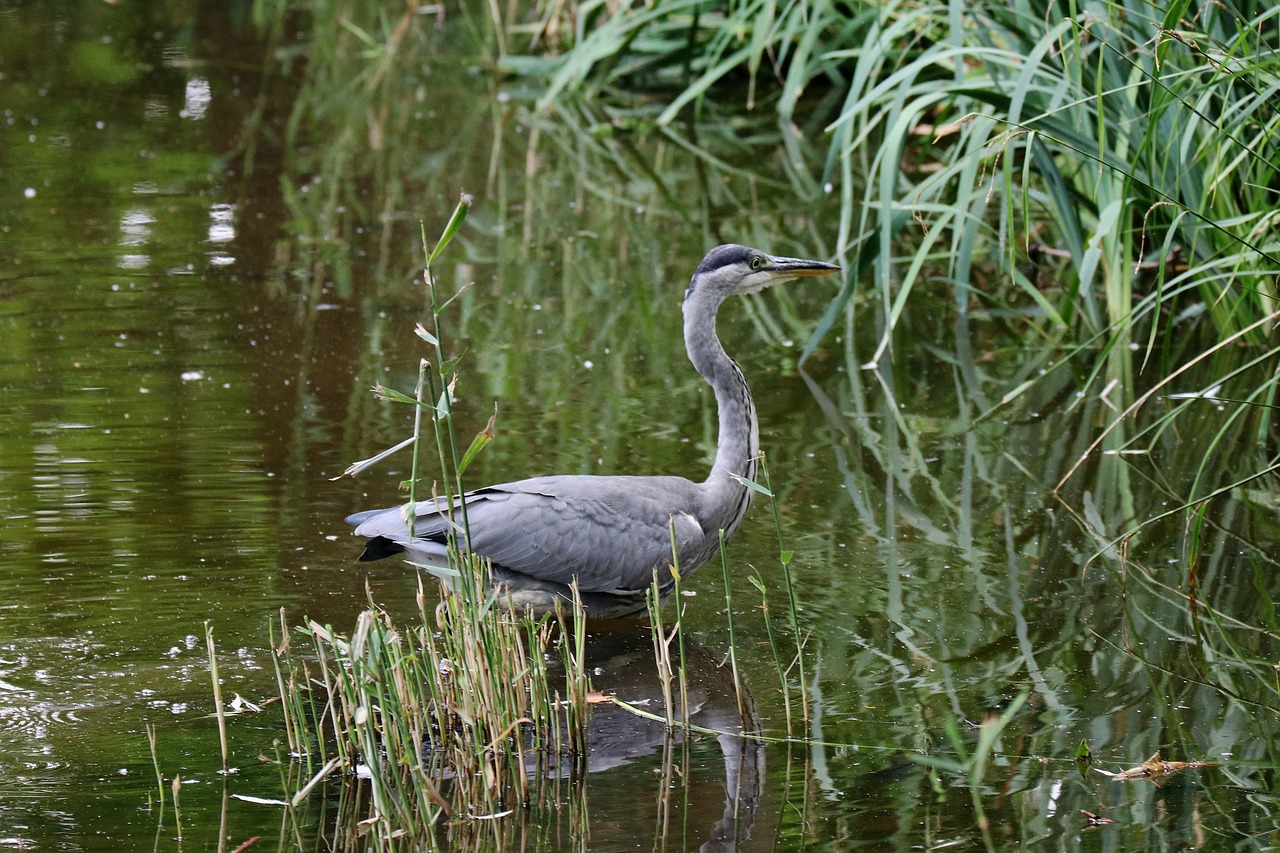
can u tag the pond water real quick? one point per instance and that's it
(210, 253)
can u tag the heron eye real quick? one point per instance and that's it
(757, 262)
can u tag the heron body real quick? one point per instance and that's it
(610, 533)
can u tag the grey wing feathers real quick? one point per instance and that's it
(609, 533)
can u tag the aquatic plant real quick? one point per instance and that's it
(1089, 192)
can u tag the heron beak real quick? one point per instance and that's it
(789, 268)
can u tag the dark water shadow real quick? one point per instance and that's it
(723, 795)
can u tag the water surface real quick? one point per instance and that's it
(210, 254)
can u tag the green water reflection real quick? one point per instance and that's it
(209, 257)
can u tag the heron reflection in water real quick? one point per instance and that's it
(610, 533)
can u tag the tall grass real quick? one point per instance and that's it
(1101, 181)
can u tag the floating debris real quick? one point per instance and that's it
(1155, 769)
(1095, 819)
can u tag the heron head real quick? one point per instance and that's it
(731, 269)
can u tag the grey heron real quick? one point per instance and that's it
(610, 533)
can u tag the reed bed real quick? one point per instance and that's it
(459, 716)
(1097, 186)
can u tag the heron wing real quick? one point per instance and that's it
(608, 533)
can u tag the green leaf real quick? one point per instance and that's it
(756, 487)
(477, 444)
(394, 396)
(528, 66)
(1084, 758)
(385, 393)
(439, 571)
(369, 41)
(451, 228)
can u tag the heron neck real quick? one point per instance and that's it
(738, 445)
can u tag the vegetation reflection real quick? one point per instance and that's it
(1102, 477)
